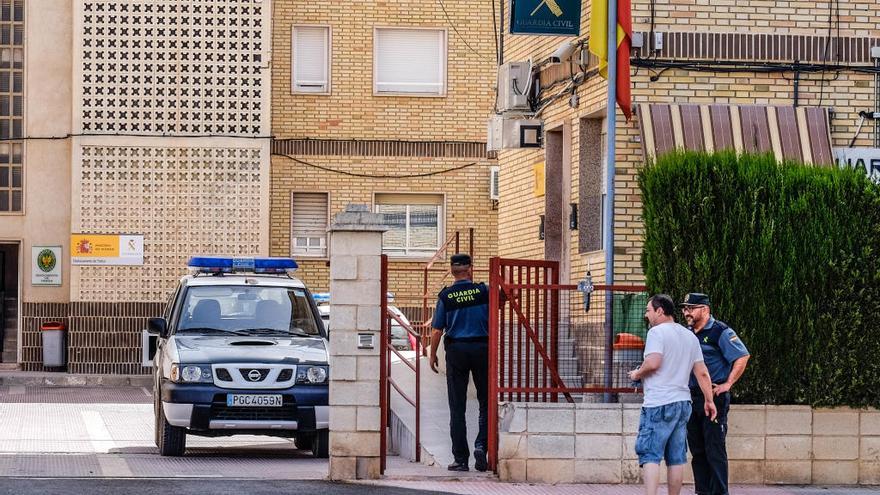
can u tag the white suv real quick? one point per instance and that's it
(241, 350)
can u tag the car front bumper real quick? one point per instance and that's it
(202, 407)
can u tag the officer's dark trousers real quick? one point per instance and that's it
(707, 442)
(462, 359)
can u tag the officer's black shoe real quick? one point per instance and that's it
(480, 464)
(458, 466)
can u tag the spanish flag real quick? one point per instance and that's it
(599, 47)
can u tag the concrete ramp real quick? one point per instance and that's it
(436, 443)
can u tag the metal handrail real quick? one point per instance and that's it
(386, 381)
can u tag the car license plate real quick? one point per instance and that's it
(244, 400)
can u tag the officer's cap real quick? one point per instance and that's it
(460, 260)
(695, 299)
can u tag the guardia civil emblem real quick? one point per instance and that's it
(46, 260)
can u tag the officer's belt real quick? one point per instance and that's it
(450, 340)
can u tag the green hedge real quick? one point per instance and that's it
(790, 256)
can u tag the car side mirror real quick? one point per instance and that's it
(158, 326)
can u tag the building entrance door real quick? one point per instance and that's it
(9, 294)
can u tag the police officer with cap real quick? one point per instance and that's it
(463, 314)
(726, 357)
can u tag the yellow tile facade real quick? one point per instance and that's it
(845, 92)
(351, 112)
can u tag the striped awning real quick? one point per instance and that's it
(800, 134)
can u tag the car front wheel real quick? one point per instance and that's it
(172, 439)
(321, 444)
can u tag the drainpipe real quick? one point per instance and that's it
(875, 52)
(503, 25)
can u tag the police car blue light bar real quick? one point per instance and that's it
(225, 264)
(324, 297)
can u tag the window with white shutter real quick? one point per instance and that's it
(409, 61)
(308, 224)
(310, 59)
(415, 223)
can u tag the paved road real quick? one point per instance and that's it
(72, 432)
(97, 441)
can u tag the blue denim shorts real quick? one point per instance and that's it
(663, 434)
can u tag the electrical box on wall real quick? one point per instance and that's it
(514, 81)
(512, 132)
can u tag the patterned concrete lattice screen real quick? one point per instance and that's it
(799, 134)
(171, 97)
(173, 66)
(184, 200)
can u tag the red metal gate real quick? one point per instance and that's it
(418, 309)
(550, 342)
(386, 381)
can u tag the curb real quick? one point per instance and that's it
(70, 380)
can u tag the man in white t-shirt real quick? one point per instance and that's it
(672, 352)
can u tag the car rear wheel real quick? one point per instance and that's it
(321, 445)
(172, 439)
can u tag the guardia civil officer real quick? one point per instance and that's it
(726, 357)
(463, 313)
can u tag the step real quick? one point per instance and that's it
(9, 367)
(62, 379)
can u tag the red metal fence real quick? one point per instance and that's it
(551, 342)
(386, 381)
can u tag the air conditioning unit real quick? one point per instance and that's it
(494, 183)
(514, 132)
(514, 82)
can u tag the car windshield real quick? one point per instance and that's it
(247, 310)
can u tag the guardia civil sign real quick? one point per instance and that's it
(46, 266)
(551, 17)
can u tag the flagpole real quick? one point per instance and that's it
(608, 238)
(611, 119)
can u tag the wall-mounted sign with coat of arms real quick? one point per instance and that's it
(46, 266)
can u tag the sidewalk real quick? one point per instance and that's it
(63, 379)
(498, 488)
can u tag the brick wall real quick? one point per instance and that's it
(595, 443)
(351, 110)
(467, 205)
(730, 31)
(102, 338)
(352, 131)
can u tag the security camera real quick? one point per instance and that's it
(562, 53)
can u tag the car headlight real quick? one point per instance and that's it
(191, 373)
(311, 374)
